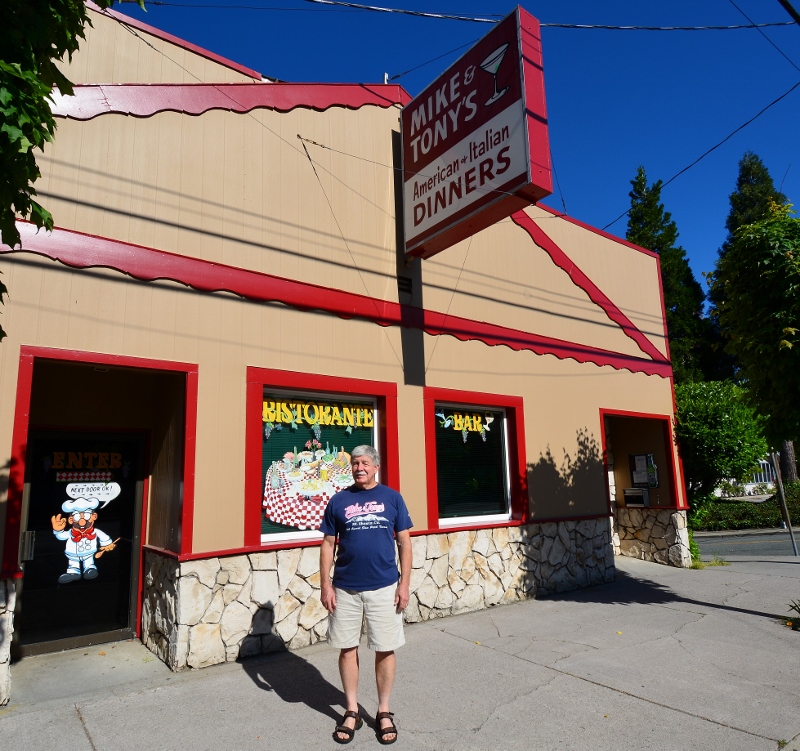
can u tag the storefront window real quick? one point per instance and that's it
(305, 458)
(471, 464)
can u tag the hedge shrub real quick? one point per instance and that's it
(713, 514)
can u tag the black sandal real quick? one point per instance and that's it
(380, 732)
(344, 730)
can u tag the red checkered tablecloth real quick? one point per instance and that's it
(300, 511)
(286, 505)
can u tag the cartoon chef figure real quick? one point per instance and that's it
(83, 538)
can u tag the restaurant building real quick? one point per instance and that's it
(225, 309)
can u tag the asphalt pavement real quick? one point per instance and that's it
(662, 658)
(752, 542)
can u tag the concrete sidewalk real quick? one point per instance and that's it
(661, 659)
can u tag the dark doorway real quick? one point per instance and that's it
(82, 505)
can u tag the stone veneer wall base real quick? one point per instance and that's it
(205, 612)
(8, 599)
(658, 535)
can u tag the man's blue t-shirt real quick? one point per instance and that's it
(365, 522)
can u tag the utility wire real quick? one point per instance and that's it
(452, 297)
(305, 140)
(558, 184)
(347, 245)
(340, 5)
(278, 135)
(433, 60)
(292, 146)
(216, 6)
(780, 51)
(716, 146)
(666, 28)
(494, 191)
(419, 13)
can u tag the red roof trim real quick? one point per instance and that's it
(79, 250)
(595, 230)
(177, 41)
(145, 100)
(582, 281)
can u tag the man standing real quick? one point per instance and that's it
(366, 517)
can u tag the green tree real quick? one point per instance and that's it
(749, 203)
(759, 281)
(754, 193)
(650, 226)
(718, 433)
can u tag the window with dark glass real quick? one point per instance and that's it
(471, 462)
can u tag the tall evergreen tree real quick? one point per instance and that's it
(750, 202)
(760, 316)
(650, 226)
(753, 201)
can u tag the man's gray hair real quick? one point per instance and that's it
(368, 451)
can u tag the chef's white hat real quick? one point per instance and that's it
(80, 504)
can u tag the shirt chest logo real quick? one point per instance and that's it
(356, 509)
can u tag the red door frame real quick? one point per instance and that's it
(678, 498)
(10, 563)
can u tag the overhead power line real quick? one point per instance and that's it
(433, 60)
(666, 28)
(341, 5)
(717, 145)
(780, 51)
(420, 13)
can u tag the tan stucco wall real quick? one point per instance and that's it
(626, 275)
(54, 307)
(113, 54)
(238, 189)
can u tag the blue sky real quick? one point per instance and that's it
(615, 99)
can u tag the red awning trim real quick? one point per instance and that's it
(79, 250)
(146, 100)
(582, 281)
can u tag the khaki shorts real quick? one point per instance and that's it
(376, 608)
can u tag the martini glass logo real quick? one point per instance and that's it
(491, 65)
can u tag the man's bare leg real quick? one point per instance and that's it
(385, 667)
(348, 671)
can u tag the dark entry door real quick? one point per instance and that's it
(83, 500)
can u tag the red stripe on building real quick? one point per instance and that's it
(79, 250)
(581, 280)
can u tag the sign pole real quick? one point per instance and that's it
(782, 496)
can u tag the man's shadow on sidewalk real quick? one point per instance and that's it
(628, 590)
(295, 680)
